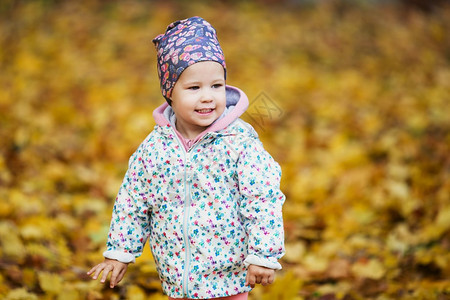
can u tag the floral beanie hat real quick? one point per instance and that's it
(184, 43)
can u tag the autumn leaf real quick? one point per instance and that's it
(371, 268)
(21, 294)
(50, 283)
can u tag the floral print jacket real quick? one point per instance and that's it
(208, 210)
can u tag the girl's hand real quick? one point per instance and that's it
(261, 275)
(116, 268)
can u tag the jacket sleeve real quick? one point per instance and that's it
(261, 203)
(130, 220)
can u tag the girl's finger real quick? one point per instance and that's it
(114, 280)
(251, 280)
(271, 278)
(92, 270)
(265, 281)
(121, 274)
(98, 269)
(106, 271)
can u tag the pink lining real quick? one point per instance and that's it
(239, 109)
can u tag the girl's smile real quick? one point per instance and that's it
(205, 111)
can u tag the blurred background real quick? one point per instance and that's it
(350, 97)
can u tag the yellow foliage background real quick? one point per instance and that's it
(352, 99)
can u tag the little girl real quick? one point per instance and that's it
(200, 187)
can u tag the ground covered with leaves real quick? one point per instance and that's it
(352, 100)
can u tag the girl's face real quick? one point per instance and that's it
(198, 97)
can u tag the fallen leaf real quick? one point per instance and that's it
(372, 269)
(51, 283)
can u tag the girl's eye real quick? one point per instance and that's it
(193, 88)
(217, 85)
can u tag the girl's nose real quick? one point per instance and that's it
(207, 95)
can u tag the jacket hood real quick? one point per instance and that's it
(236, 105)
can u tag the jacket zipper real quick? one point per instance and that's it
(187, 204)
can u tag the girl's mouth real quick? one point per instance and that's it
(205, 111)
